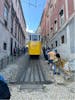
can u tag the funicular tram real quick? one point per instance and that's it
(34, 46)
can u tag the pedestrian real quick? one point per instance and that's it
(44, 51)
(51, 55)
(57, 62)
(46, 54)
(4, 89)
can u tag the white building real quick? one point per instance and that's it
(12, 27)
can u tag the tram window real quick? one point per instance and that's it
(34, 37)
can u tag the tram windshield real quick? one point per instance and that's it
(35, 37)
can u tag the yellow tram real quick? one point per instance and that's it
(34, 47)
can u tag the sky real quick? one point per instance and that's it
(33, 10)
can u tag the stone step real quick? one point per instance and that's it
(31, 87)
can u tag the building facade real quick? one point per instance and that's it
(12, 27)
(43, 26)
(60, 26)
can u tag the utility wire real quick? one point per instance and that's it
(30, 3)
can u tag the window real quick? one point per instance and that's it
(61, 17)
(56, 43)
(51, 45)
(62, 39)
(5, 12)
(5, 15)
(56, 25)
(35, 38)
(5, 22)
(5, 46)
(11, 24)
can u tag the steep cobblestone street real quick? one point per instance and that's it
(59, 89)
(37, 49)
(50, 92)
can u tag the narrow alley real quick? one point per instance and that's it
(28, 80)
(37, 49)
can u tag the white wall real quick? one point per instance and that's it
(4, 37)
(67, 50)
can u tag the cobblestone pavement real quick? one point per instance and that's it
(50, 92)
(11, 70)
(58, 90)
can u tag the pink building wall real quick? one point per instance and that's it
(54, 14)
(70, 7)
(65, 26)
(44, 21)
(43, 24)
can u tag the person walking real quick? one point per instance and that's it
(51, 55)
(44, 52)
(57, 62)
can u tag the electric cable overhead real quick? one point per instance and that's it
(35, 4)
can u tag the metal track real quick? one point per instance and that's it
(32, 73)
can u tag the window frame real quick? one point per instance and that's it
(35, 37)
(6, 12)
(55, 25)
(4, 46)
(56, 43)
(62, 39)
(62, 17)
